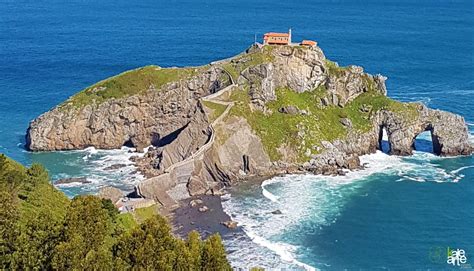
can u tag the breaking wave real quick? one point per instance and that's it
(281, 205)
(100, 167)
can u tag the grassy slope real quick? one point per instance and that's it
(126, 221)
(130, 83)
(217, 109)
(239, 64)
(140, 80)
(323, 124)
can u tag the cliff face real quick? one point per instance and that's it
(449, 132)
(151, 117)
(270, 110)
(302, 69)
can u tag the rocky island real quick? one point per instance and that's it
(267, 111)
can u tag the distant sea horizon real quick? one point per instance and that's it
(401, 213)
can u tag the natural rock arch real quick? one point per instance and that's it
(380, 146)
(448, 131)
(436, 147)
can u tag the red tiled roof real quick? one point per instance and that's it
(308, 42)
(275, 34)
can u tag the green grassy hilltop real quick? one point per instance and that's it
(320, 124)
(130, 83)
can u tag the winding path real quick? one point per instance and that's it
(171, 185)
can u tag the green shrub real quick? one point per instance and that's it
(40, 228)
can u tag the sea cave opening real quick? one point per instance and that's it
(427, 141)
(129, 143)
(423, 142)
(384, 144)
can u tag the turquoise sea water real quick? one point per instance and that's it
(397, 214)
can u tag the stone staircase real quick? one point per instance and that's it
(171, 186)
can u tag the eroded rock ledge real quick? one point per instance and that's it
(268, 111)
(152, 117)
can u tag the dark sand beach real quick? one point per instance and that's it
(187, 218)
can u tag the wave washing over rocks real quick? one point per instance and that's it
(282, 204)
(97, 168)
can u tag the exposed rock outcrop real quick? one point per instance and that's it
(194, 135)
(294, 67)
(345, 84)
(239, 149)
(138, 121)
(82, 180)
(448, 131)
(303, 69)
(112, 193)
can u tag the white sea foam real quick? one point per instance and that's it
(267, 193)
(317, 200)
(471, 138)
(94, 164)
(460, 169)
(68, 185)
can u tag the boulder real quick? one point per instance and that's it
(277, 212)
(196, 186)
(346, 122)
(203, 209)
(195, 202)
(230, 224)
(112, 193)
(115, 166)
(290, 110)
(353, 162)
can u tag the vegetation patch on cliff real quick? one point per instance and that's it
(299, 131)
(216, 109)
(237, 65)
(333, 68)
(142, 214)
(303, 132)
(130, 83)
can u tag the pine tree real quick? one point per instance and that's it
(87, 230)
(194, 245)
(8, 226)
(36, 241)
(40, 229)
(183, 257)
(150, 244)
(213, 254)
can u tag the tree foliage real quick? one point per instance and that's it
(41, 229)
